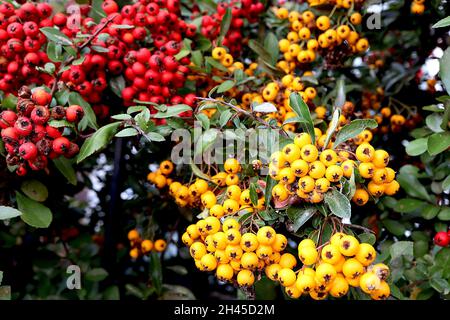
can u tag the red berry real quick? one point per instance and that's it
(39, 163)
(10, 135)
(41, 97)
(40, 115)
(61, 145)
(442, 239)
(74, 113)
(23, 126)
(21, 170)
(7, 119)
(28, 151)
(53, 132)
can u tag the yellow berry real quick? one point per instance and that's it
(366, 254)
(348, 245)
(286, 277)
(146, 246)
(245, 278)
(224, 272)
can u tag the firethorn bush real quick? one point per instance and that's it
(225, 149)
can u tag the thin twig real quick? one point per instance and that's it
(79, 49)
(246, 113)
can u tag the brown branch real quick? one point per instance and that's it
(247, 114)
(79, 49)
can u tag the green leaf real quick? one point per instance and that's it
(181, 270)
(408, 205)
(332, 127)
(64, 166)
(444, 69)
(197, 58)
(203, 118)
(340, 95)
(444, 214)
(97, 12)
(96, 275)
(122, 116)
(434, 121)
(35, 190)
(253, 194)
(270, 183)
(338, 204)
(8, 213)
(353, 129)
(172, 111)
(225, 117)
(198, 172)
(272, 47)
(9, 102)
(54, 52)
(367, 237)
(117, 84)
(394, 227)
(61, 123)
(154, 136)
(412, 186)
(260, 51)
(225, 23)
(265, 107)
(156, 272)
(97, 141)
(446, 183)
(401, 248)
(89, 119)
(429, 212)
(100, 49)
(127, 132)
(442, 23)
(417, 147)
(440, 285)
(225, 86)
(56, 36)
(34, 213)
(301, 109)
(438, 142)
(299, 216)
(202, 43)
(215, 64)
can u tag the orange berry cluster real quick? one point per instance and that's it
(140, 247)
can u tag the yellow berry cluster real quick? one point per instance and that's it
(303, 170)
(141, 246)
(418, 7)
(309, 34)
(373, 165)
(332, 269)
(225, 195)
(235, 256)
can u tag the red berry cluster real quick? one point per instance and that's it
(442, 238)
(29, 140)
(21, 43)
(152, 75)
(240, 10)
